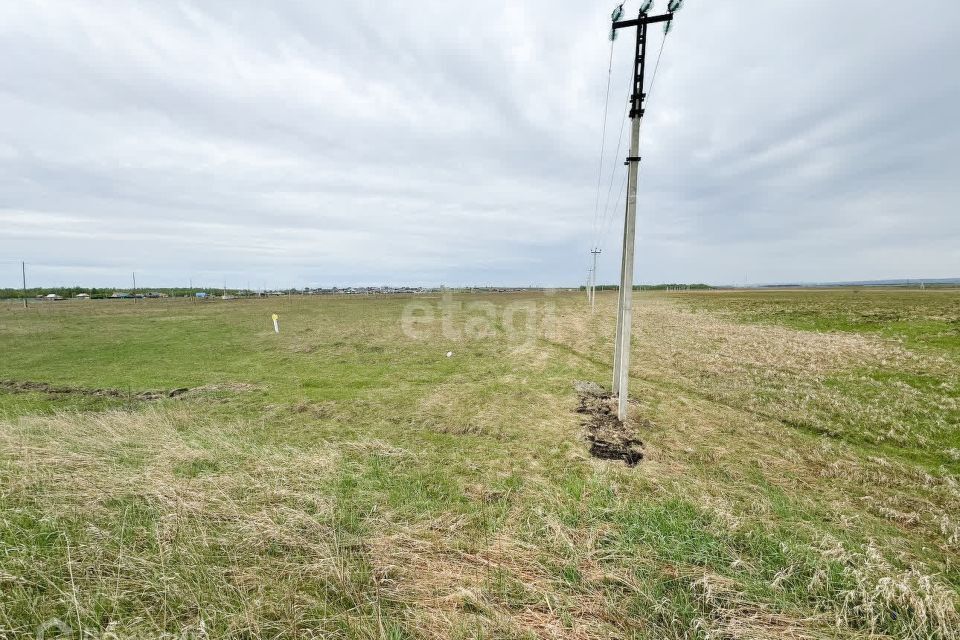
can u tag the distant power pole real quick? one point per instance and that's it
(593, 280)
(621, 358)
(23, 272)
(134, 286)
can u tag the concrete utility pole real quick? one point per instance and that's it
(593, 280)
(23, 272)
(134, 286)
(621, 358)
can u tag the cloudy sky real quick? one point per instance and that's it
(315, 143)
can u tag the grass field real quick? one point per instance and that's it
(347, 479)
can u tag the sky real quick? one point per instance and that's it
(304, 143)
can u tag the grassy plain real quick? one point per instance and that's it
(346, 479)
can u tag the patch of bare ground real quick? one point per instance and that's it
(609, 437)
(26, 386)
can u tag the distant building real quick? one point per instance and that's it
(120, 294)
(52, 296)
(83, 296)
(202, 294)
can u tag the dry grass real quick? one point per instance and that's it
(153, 511)
(798, 377)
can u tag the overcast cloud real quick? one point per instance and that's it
(317, 143)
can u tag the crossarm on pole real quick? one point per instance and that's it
(622, 24)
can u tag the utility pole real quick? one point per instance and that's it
(23, 272)
(593, 280)
(589, 280)
(621, 358)
(134, 286)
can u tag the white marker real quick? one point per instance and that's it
(449, 354)
(276, 323)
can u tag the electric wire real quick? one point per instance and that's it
(600, 238)
(613, 171)
(609, 223)
(603, 142)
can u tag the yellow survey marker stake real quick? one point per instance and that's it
(276, 323)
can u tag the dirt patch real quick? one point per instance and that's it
(26, 386)
(219, 387)
(609, 438)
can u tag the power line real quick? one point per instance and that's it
(613, 171)
(616, 205)
(602, 239)
(604, 222)
(603, 142)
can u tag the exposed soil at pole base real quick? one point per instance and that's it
(608, 436)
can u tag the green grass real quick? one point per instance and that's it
(919, 319)
(346, 480)
(915, 402)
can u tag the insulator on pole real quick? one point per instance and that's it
(646, 6)
(674, 5)
(616, 15)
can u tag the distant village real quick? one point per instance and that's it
(228, 294)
